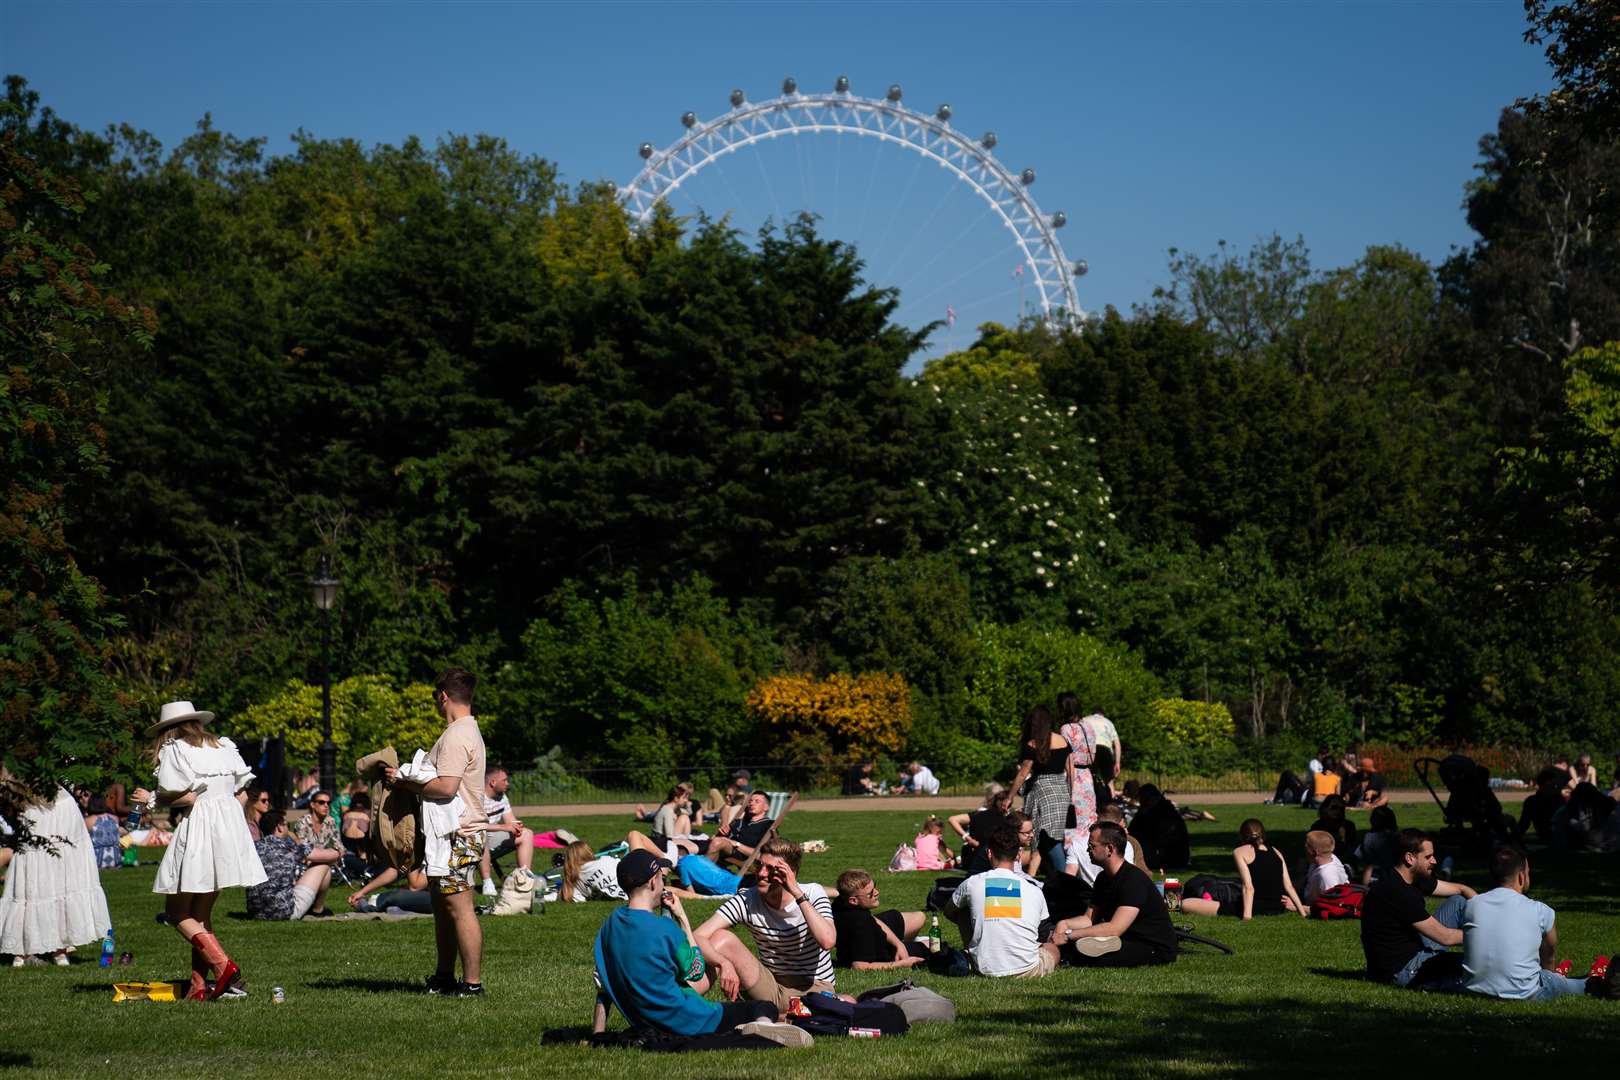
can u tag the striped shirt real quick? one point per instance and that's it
(787, 948)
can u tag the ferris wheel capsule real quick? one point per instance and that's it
(842, 84)
(1059, 220)
(989, 140)
(689, 119)
(737, 98)
(1080, 268)
(943, 112)
(790, 85)
(646, 150)
(1027, 177)
(894, 92)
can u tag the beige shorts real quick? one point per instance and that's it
(1045, 964)
(767, 988)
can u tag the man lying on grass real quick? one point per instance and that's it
(1000, 913)
(868, 941)
(1128, 924)
(791, 922)
(651, 968)
(1403, 943)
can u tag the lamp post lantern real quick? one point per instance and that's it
(324, 587)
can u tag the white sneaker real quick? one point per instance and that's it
(781, 1034)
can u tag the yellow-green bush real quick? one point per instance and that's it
(1191, 723)
(858, 714)
(368, 713)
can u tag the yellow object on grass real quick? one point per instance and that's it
(144, 991)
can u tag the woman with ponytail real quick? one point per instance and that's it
(1264, 886)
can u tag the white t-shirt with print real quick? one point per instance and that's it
(1007, 909)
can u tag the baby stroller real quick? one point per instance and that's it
(1473, 813)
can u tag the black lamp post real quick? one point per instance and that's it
(325, 587)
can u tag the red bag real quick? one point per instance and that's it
(1339, 902)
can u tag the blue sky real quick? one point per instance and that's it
(1151, 125)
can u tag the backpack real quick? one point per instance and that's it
(920, 1004)
(905, 858)
(832, 1015)
(1339, 902)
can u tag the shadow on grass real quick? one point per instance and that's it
(1188, 1032)
(180, 985)
(9, 1060)
(370, 986)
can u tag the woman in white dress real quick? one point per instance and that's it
(211, 849)
(53, 898)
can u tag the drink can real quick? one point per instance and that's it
(278, 995)
(864, 1033)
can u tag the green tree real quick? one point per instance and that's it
(63, 720)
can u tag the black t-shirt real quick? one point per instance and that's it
(859, 937)
(1055, 764)
(1132, 888)
(981, 824)
(852, 781)
(750, 833)
(1388, 915)
(1365, 783)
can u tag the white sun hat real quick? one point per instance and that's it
(177, 712)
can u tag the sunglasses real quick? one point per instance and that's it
(321, 802)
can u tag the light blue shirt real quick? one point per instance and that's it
(1502, 932)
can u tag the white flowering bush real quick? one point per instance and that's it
(1036, 526)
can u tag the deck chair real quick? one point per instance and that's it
(790, 800)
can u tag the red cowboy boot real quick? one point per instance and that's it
(199, 976)
(226, 973)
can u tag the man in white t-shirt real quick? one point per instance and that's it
(504, 834)
(1107, 766)
(1326, 871)
(1000, 913)
(792, 923)
(923, 781)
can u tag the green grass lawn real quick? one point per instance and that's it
(1288, 1002)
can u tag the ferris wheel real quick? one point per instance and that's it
(840, 112)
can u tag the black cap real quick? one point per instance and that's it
(638, 868)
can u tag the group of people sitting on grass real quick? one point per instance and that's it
(1354, 778)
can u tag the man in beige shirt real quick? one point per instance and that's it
(458, 757)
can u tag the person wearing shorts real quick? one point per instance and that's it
(458, 759)
(791, 922)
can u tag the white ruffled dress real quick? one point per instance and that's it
(212, 848)
(53, 900)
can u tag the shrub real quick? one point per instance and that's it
(597, 668)
(1180, 722)
(368, 713)
(858, 714)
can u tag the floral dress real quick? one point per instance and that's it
(1083, 792)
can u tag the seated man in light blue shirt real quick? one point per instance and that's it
(1509, 940)
(649, 967)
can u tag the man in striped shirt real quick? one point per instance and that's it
(792, 924)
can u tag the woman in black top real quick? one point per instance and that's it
(974, 828)
(1043, 759)
(1267, 888)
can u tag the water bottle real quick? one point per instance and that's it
(108, 950)
(933, 934)
(132, 820)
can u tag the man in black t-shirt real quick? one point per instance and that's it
(1403, 943)
(1367, 789)
(1128, 924)
(739, 839)
(858, 781)
(870, 939)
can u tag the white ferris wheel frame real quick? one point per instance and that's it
(843, 113)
